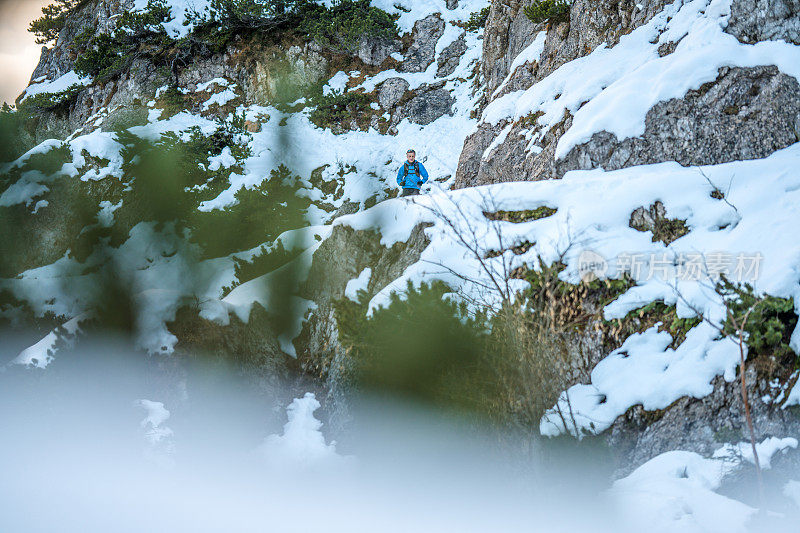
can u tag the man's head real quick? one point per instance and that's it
(410, 155)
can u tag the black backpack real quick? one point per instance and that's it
(405, 169)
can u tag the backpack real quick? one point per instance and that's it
(405, 169)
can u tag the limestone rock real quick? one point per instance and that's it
(747, 113)
(451, 56)
(428, 106)
(425, 36)
(391, 91)
(765, 20)
(374, 50)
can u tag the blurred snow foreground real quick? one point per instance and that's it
(302, 442)
(207, 453)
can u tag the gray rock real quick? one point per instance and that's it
(423, 49)
(451, 4)
(699, 425)
(451, 56)
(391, 91)
(374, 50)
(280, 74)
(747, 113)
(508, 32)
(340, 258)
(428, 106)
(762, 20)
(125, 117)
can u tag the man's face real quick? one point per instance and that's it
(410, 157)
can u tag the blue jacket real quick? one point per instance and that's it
(412, 181)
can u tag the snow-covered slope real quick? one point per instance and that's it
(739, 215)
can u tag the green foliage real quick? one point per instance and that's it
(769, 325)
(138, 34)
(339, 108)
(266, 260)
(47, 27)
(50, 101)
(421, 348)
(649, 315)
(551, 11)
(342, 25)
(521, 216)
(14, 139)
(260, 214)
(477, 20)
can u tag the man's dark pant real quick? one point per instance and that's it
(409, 192)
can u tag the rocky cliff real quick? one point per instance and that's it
(613, 91)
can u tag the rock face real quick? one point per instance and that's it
(745, 114)
(450, 57)
(508, 32)
(422, 51)
(339, 259)
(428, 106)
(278, 73)
(701, 426)
(374, 51)
(765, 20)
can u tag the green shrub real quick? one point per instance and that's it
(340, 27)
(421, 348)
(769, 325)
(260, 214)
(477, 20)
(266, 260)
(47, 27)
(50, 101)
(138, 34)
(13, 135)
(551, 11)
(338, 109)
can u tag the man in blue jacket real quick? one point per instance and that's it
(411, 175)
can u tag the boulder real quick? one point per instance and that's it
(391, 91)
(425, 36)
(428, 106)
(374, 50)
(451, 56)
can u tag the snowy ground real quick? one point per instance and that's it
(110, 444)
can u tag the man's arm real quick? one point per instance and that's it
(423, 173)
(400, 177)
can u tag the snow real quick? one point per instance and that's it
(337, 84)
(604, 92)
(766, 450)
(302, 444)
(792, 491)
(674, 492)
(358, 284)
(794, 394)
(224, 160)
(22, 191)
(220, 99)
(60, 84)
(222, 82)
(531, 54)
(41, 354)
(176, 27)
